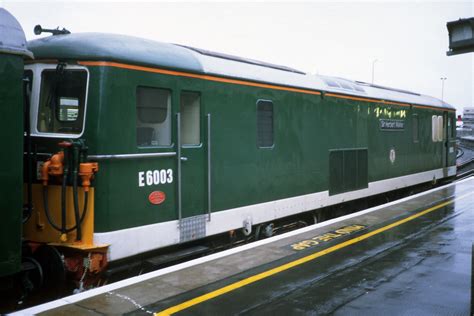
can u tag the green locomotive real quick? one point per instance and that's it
(12, 52)
(184, 143)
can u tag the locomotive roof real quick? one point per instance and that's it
(143, 52)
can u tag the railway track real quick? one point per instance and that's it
(465, 162)
(467, 170)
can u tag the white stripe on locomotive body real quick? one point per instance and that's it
(132, 241)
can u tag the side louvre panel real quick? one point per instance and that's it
(348, 170)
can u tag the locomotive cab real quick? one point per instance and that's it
(60, 229)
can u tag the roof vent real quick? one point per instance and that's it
(386, 88)
(241, 59)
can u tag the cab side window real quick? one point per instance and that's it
(190, 119)
(153, 117)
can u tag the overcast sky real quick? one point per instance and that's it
(408, 39)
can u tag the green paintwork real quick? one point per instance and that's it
(306, 128)
(11, 174)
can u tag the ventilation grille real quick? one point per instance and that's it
(348, 170)
(264, 123)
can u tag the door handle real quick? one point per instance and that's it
(184, 158)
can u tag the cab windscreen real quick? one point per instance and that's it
(62, 101)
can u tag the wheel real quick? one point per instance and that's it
(32, 278)
(54, 271)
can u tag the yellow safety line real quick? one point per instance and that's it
(266, 274)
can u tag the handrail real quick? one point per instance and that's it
(209, 165)
(131, 156)
(178, 146)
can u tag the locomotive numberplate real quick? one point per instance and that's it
(155, 177)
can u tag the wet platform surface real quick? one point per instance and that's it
(411, 257)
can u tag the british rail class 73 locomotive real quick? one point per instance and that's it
(138, 145)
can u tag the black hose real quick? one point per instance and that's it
(63, 200)
(48, 213)
(84, 210)
(76, 205)
(46, 209)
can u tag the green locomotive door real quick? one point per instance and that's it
(192, 167)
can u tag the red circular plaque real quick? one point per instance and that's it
(157, 197)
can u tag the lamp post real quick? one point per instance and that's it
(442, 87)
(373, 69)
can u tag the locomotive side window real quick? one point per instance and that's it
(437, 128)
(153, 117)
(434, 128)
(62, 101)
(448, 121)
(264, 123)
(415, 128)
(454, 127)
(440, 129)
(190, 118)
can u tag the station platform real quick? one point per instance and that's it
(409, 257)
